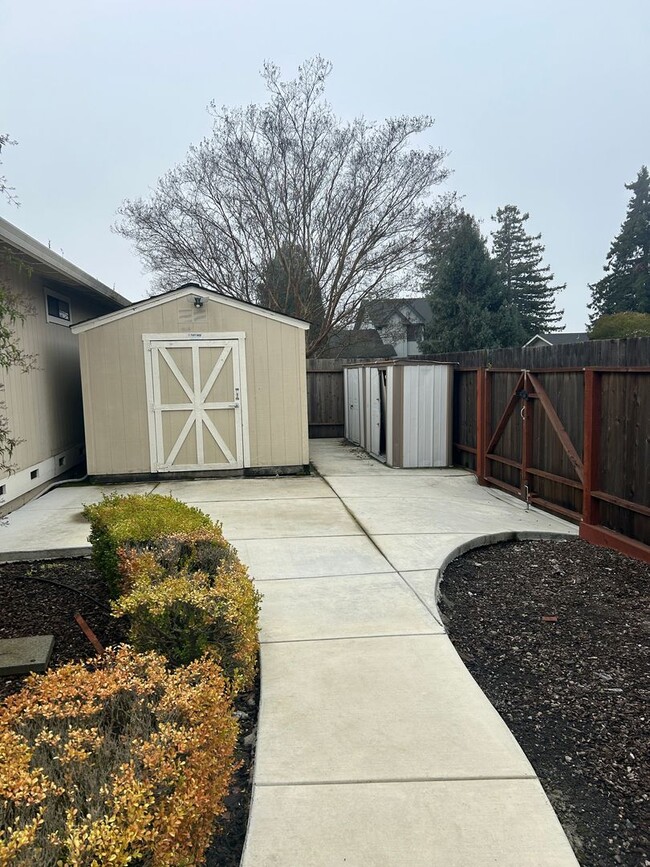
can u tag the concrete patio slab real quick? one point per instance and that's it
(267, 519)
(77, 496)
(377, 709)
(407, 553)
(312, 557)
(231, 490)
(474, 823)
(30, 531)
(342, 607)
(445, 514)
(398, 484)
(423, 583)
(336, 457)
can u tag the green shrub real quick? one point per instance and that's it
(115, 762)
(186, 606)
(137, 520)
(178, 581)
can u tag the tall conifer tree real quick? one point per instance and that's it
(468, 300)
(518, 257)
(626, 284)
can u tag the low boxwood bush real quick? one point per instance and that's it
(179, 582)
(184, 612)
(139, 519)
(115, 762)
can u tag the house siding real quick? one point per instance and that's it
(43, 406)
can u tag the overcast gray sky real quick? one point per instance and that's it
(542, 105)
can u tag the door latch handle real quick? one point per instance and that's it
(236, 394)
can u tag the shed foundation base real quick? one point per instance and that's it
(247, 472)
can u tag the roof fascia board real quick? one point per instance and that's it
(138, 306)
(538, 337)
(24, 243)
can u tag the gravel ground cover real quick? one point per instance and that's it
(38, 607)
(556, 633)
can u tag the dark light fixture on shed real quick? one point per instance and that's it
(198, 302)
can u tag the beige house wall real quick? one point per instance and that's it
(43, 406)
(114, 386)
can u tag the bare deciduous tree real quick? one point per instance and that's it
(284, 176)
(5, 190)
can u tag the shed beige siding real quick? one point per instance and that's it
(43, 406)
(115, 395)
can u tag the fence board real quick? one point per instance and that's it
(632, 352)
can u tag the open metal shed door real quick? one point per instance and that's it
(351, 382)
(196, 393)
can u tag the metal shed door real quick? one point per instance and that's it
(352, 376)
(195, 391)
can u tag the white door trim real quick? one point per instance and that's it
(155, 345)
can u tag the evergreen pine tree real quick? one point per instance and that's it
(626, 284)
(468, 300)
(518, 257)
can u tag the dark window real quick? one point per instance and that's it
(414, 332)
(58, 309)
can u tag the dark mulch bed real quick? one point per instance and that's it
(573, 687)
(31, 607)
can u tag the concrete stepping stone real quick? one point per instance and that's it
(23, 655)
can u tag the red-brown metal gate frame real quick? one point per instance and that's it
(527, 389)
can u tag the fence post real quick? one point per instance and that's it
(591, 445)
(481, 423)
(527, 441)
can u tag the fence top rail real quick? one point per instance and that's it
(542, 370)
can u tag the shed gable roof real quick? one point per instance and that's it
(182, 292)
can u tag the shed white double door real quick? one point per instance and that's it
(196, 393)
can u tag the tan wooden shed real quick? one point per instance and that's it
(193, 383)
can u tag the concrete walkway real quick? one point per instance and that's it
(375, 746)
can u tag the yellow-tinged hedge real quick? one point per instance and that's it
(136, 520)
(184, 614)
(179, 581)
(115, 762)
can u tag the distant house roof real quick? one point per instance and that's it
(379, 312)
(359, 343)
(50, 265)
(557, 339)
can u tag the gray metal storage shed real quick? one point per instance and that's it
(400, 411)
(190, 383)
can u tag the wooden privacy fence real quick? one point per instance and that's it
(575, 441)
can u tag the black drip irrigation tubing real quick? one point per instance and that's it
(69, 587)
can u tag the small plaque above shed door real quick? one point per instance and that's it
(196, 392)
